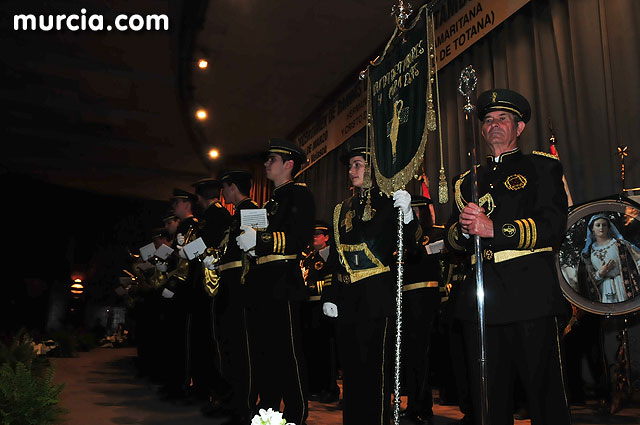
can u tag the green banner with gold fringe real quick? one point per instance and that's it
(397, 101)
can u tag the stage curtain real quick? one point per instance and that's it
(577, 63)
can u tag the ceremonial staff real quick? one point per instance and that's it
(467, 84)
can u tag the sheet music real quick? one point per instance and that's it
(254, 218)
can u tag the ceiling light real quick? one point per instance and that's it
(214, 154)
(203, 64)
(77, 280)
(201, 114)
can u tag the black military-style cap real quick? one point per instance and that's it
(159, 232)
(503, 100)
(235, 176)
(420, 201)
(206, 184)
(354, 146)
(182, 194)
(286, 147)
(321, 227)
(169, 215)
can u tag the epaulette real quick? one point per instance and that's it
(301, 184)
(548, 155)
(438, 226)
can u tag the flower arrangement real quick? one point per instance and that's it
(269, 417)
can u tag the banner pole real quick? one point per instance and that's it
(399, 274)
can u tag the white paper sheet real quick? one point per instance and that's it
(195, 248)
(147, 251)
(254, 218)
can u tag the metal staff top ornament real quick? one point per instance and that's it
(466, 86)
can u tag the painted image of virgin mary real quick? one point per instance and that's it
(609, 266)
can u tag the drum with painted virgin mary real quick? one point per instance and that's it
(599, 260)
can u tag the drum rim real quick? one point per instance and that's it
(614, 204)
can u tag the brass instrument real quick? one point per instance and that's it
(212, 277)
(182, 269)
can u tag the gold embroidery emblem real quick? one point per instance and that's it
(266, 237)
(346, 222)
(488, 254)
(515, 182)
(509, 230)
(494, 95)
(318, 265)
(400, 116)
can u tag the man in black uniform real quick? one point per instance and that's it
(214, 230)
(362, 295)
(275, 286)
(230, 301)
(178, 293)
(521, 218)
(171, 222)
(421, 301)
(318, 330)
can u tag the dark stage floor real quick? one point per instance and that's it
(101, 388)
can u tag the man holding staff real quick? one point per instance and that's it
(521, 218)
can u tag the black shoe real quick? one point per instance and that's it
(521, 414)
(215, 409)
(466, 420)
(314, 397)
(236, 420)
(419, 419)
(328, 397)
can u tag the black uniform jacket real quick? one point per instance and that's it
(362, 252)
(214, 225)
(291, 215)
(233, 253)
(319, 273)
(524, 197)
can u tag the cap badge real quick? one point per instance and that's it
(494, 96)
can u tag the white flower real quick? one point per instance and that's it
(268, 417)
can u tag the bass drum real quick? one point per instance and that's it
(598, 263)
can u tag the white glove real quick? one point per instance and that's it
(247, 239)
(402, 200)
(209, 261)
(161, 267)
(181, 253)
(167, 293)
(180, 239)
(330, 309)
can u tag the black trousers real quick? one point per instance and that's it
(318, 335)
(419, 309)
(530, 349)
(234, 341)
(275, 340)
(366, 356)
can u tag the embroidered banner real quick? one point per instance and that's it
(397, 101)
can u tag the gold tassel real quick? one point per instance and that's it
(367, 214)
(443, 190)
